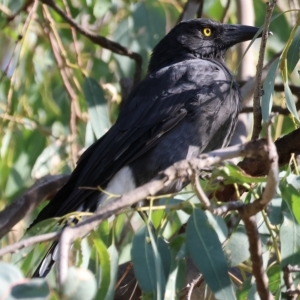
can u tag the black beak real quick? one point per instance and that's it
(234, 34)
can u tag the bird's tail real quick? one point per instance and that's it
(48, 261)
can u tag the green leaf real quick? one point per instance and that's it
(294, 180)
(158, 263)
(293, 52)
(290, 103)
(101, 7)
(206, 251)
(274, 275)
(80, 284)
(37, 289)
(267, 98)
(147, 263)
(89, 135)
(274, 210)
(237, 248)
(233, 174)
(177, 276)
(219, 225)
(244, 290)
(105, 267)
(289, 237)
(97, 106)
(291, 196)
(9, 274)
(103, 233)
(113, 254)
(253, 294)
(164, 252)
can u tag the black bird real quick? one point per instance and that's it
(187, 104)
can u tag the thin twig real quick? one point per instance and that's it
(293, 268)
(128, 268)
(216, 210)
(257, 90)
(101, 41)
(225, 15)
(290, 288)
(44, 188)
(286, 146)
(52, 236)
(256, 256)
(66, 76)
(21, 9)
(193, 284)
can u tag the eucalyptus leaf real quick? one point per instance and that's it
(234, 174)
(105, 267)
(36, 288)
(289, 237)
(113, 254)
(290, 102)
(147, 263)
(274, 275)
(97, 106)
(206, 251)
(237, 248)
(267, 98)
(291, 196)
(177, 276)
(293, 52)
(80, 284)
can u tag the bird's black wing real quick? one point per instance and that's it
(158, 104)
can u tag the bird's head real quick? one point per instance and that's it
(198, 38)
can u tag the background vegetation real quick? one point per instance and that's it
(61, 89)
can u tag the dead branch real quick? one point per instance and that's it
(44, 188)
(248, 212)
(286, 146)
(100, 40)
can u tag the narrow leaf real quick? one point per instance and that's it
(274, 275)
(290, 103)
(293, 52)
(36, 288)
(159, 272)
(113, 254)
(97, 106)
(267, 98)
(104, 265)
(177, 276)
(289, 237)
(147, 263)
(206, 251)
(80, 284)
(143, 261)
(291, 196)
(237, 248)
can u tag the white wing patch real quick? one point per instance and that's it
(121, 183)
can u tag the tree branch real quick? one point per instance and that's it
(101, 41)
(286, 146)
(44, 188)
(257, 90)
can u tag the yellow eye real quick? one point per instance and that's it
(206, 31)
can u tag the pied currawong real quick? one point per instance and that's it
(188, 104)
